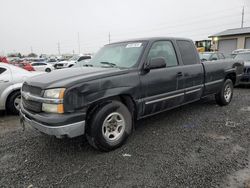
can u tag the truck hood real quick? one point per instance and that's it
(71, 76)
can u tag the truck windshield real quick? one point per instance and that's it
(121, 55)
(243, 56)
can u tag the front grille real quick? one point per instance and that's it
(32, 89)
(28, 104)
(32, 105)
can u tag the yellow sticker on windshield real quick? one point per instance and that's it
(133, 45)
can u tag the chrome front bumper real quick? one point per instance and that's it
(69, 130)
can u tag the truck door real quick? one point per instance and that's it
(161, 85)
(192, 71)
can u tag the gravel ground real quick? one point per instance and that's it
(198, 145)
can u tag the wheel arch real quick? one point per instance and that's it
(126, 99)
(231, 76)
(16, 90)
(7, 93)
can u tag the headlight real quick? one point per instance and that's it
(57, 93)
(54, 93)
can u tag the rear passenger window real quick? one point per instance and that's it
(166, 50)
(188, 52)
(2, 70)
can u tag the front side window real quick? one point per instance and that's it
(165, 50)
(2, 70)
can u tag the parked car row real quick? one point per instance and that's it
(71, 62)
(42, 64)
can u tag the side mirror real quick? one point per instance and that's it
(155, 63)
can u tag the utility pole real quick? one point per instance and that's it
(31, 49)
(59, 49)
(242, 17)
(79, 47)
(109, 37)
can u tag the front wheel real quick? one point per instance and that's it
(225, 96)
(109, 126)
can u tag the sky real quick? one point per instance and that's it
(44, 26)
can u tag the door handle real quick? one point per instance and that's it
(2, 81)
(179, 74)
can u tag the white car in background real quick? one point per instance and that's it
(11, 80)
(71, 62)
(43, 66)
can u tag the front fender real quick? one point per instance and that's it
(85, 94)
(7, 92)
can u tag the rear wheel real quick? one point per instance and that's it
(109, 126)
(13, 103)
(224, 97)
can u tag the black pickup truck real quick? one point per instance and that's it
(124, 82)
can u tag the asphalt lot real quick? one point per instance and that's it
(198, 145)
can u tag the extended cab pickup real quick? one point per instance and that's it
(124, 82)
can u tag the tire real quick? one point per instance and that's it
(11, 104)
(224, 97)
(109, 126)
(47, 70)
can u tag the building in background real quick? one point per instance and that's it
(231, 39)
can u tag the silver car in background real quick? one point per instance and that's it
(11, 80)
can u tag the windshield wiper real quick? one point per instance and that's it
(108, 63)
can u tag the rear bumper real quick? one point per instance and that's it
(69, 130)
